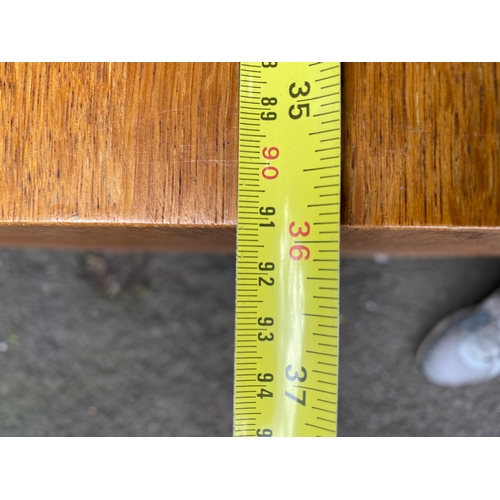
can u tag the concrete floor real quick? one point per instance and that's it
(142, 345)
(381, 391)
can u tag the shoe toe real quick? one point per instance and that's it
(442, 364)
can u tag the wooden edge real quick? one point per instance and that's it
(355, 241)
(358, 241)
(123, 237)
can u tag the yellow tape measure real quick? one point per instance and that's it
(287, 278)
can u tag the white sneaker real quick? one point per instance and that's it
(464, 348)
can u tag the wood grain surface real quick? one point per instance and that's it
(144, 155)
(149, 143)
(421, 144)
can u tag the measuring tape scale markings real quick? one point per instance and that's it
(287, 272)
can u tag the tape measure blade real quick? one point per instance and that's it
(287, 280)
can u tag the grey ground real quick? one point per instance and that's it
(142, 345)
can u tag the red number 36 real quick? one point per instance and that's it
(299, 232)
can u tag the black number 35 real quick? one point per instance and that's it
(300, 91)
